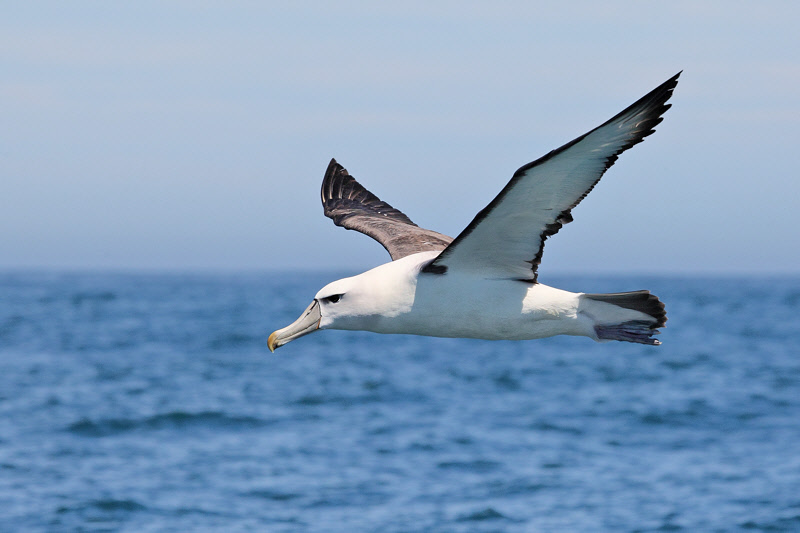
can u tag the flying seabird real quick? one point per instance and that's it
(484, 283)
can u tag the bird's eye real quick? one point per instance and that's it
(333, 298)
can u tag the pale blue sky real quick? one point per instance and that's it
(194, 135)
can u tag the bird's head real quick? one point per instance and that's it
(331, 301)
(364, 302)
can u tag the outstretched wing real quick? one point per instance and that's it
(506, 239)
(351, 206)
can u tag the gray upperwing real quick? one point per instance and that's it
(351, 206)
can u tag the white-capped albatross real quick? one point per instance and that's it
(483, 284)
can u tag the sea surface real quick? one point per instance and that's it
(150, 403)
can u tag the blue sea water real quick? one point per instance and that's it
(143, 402)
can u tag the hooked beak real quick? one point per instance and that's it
(307, 323)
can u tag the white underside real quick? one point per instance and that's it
(397, 298)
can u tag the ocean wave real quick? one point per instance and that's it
(270, 494)
(80, 298)
(312, 400)
(488, 513)
(789, 523)
(478, 465)
(172, 420)
(104, 506)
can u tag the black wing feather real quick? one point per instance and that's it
(351, 206)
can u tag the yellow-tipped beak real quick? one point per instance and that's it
(271, 342)
(307, 323)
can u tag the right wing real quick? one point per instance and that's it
(506, 239)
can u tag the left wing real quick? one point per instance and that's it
(506, 239)
(351, 206)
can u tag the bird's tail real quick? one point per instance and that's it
(626, 316)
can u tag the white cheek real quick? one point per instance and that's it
(333, 315)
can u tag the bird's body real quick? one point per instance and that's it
(484, 283)
(397, 297)
(458, 305)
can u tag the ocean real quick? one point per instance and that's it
(150, 403)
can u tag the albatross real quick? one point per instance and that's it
(484, 283)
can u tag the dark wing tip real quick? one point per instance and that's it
(649, 109)
(343, 197)
(334, 167)
(334, 175)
